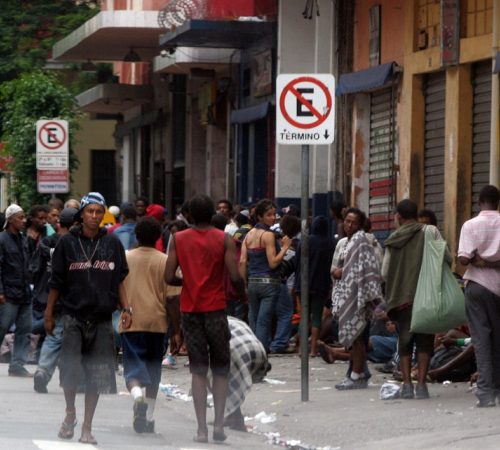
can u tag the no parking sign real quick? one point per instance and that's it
(52, 144)
(305, 110)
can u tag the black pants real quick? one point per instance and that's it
(483, 313)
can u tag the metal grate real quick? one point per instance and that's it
(481, 127)
(381, 172)
(434, 93)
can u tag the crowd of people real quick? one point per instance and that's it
(223, 285)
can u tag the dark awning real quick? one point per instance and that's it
(218, 34)
(147, 118)
(250, 114)
(496, 67)
(367, 80)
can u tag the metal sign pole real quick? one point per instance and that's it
(304, 276)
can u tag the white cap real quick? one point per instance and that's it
(114, 210)
(10, 211)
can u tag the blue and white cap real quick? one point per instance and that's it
(92, 198)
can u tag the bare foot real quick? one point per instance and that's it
(326, 354)
(201, 436)
(86, 437)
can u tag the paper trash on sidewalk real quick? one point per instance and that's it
(272, 381)
(262, 417)
(171, 391)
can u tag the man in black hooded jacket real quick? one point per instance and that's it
(88, 268)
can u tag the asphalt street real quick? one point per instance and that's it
(329, 420)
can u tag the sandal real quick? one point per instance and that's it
(67, 430)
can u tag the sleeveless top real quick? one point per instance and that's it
(258, 265)
(201, 257)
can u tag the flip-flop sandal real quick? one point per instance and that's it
(67, 430)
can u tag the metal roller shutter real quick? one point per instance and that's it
(381, 172)
(434, 93)
(481, 126)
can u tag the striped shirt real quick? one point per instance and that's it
(481, 236)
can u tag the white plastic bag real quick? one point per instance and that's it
(389, 391)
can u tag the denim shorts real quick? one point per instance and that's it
(142, 356)
(87, 355)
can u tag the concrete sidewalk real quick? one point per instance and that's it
(331, 419)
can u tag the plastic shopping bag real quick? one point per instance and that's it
(439, 303)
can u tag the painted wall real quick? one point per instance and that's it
(392, 32)
(93, 135)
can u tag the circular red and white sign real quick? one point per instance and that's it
(291, 94)
(52, 135)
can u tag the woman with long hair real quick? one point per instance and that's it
(261, 256)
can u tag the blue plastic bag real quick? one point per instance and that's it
(439, 303)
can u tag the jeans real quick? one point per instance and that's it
(482, 308)
(115, 318)
(50, 351)
(20, 314)
(383, 348)
(284, 313)
(262, 300)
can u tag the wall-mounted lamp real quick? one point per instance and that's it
(132, 56)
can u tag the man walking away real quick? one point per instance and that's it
(88, 269)
(51, 346)
(401, 269)
(126, 231)
(143, 342)
(479, 250)
(15, 293)
(201, 252)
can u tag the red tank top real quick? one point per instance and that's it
(201, 257)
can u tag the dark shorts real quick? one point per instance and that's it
(142, 356)
(87, 356)
(406, 339)
(207, 338)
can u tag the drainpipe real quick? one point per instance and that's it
(495, 104)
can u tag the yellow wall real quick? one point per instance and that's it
(458, 132)
(93, 135)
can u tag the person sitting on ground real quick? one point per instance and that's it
(454, 357)
(382, 342)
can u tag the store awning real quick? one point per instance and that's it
(218, 34)
(114, 98)
(147, 118)
(250, 114)
(496, 67)
(367, 80)
(110, 35)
